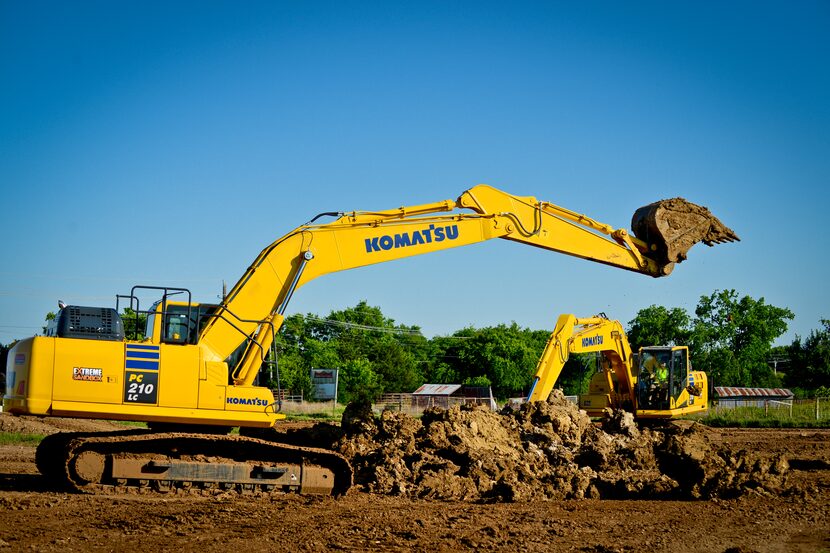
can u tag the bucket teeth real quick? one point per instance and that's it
(671, 227)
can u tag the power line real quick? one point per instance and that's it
(356, 326)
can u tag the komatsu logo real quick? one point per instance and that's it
(414, 238)
(247, 401)
(592, 341)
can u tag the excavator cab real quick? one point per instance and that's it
(667, 385)
(656, 372)
(182, 322)
(168, 321)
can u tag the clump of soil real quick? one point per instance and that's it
(673, 226)
(704, 471)
(545, 450)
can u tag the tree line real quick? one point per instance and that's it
(729, 336)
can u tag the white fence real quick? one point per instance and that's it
(415, 405)
(817, 409)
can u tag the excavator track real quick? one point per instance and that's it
(146, 462)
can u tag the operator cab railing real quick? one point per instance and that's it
(182, 323)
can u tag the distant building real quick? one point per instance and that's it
(447, 395)
(732, 396)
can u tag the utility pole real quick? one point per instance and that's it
(777, 359)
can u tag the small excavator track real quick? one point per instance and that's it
(146, 461)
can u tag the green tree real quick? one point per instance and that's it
(659, 326)
(134, 324)
(809, 366)
(4, 355)
(397, 354)
(505, 354)
(441, 367)
(50, 316)
(576, 373)
(293, 374)
(296, 354)
(358, 382)
(479, 381)
(732, 337)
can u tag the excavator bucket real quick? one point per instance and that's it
(671, 227)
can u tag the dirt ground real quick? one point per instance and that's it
(34, 517)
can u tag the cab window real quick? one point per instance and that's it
(679, 372)
(176, 328)
(151, 321)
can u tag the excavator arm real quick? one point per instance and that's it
(584, 335)
(253, 309)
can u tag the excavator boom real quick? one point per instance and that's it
(583, 335)
(357, 239)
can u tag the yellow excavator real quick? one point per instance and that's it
(192, 376)
(657, 383)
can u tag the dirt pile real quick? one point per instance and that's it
(545, 450)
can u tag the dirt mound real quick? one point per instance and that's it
(545, 450)
(50, 425)
(673, 226)
(702, 470)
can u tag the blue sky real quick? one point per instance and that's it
(168, 143)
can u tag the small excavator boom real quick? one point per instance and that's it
(584, 335)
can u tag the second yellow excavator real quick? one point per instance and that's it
(656, 383)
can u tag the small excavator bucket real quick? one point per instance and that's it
(671, 227)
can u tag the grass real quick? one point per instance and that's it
(316, 417)
(313, 411)
(762, 422)
(132, 424)
(803, 415)
(29, 439)
(20, 438)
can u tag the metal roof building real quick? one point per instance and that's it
(437, 390)
(447, 395)
(733, 392)
(732, 396)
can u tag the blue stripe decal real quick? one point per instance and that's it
(141, 346)
(149, 365)
(143, 354)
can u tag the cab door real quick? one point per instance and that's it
(678, 377)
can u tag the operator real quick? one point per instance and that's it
(659, 372)
(656, 366)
